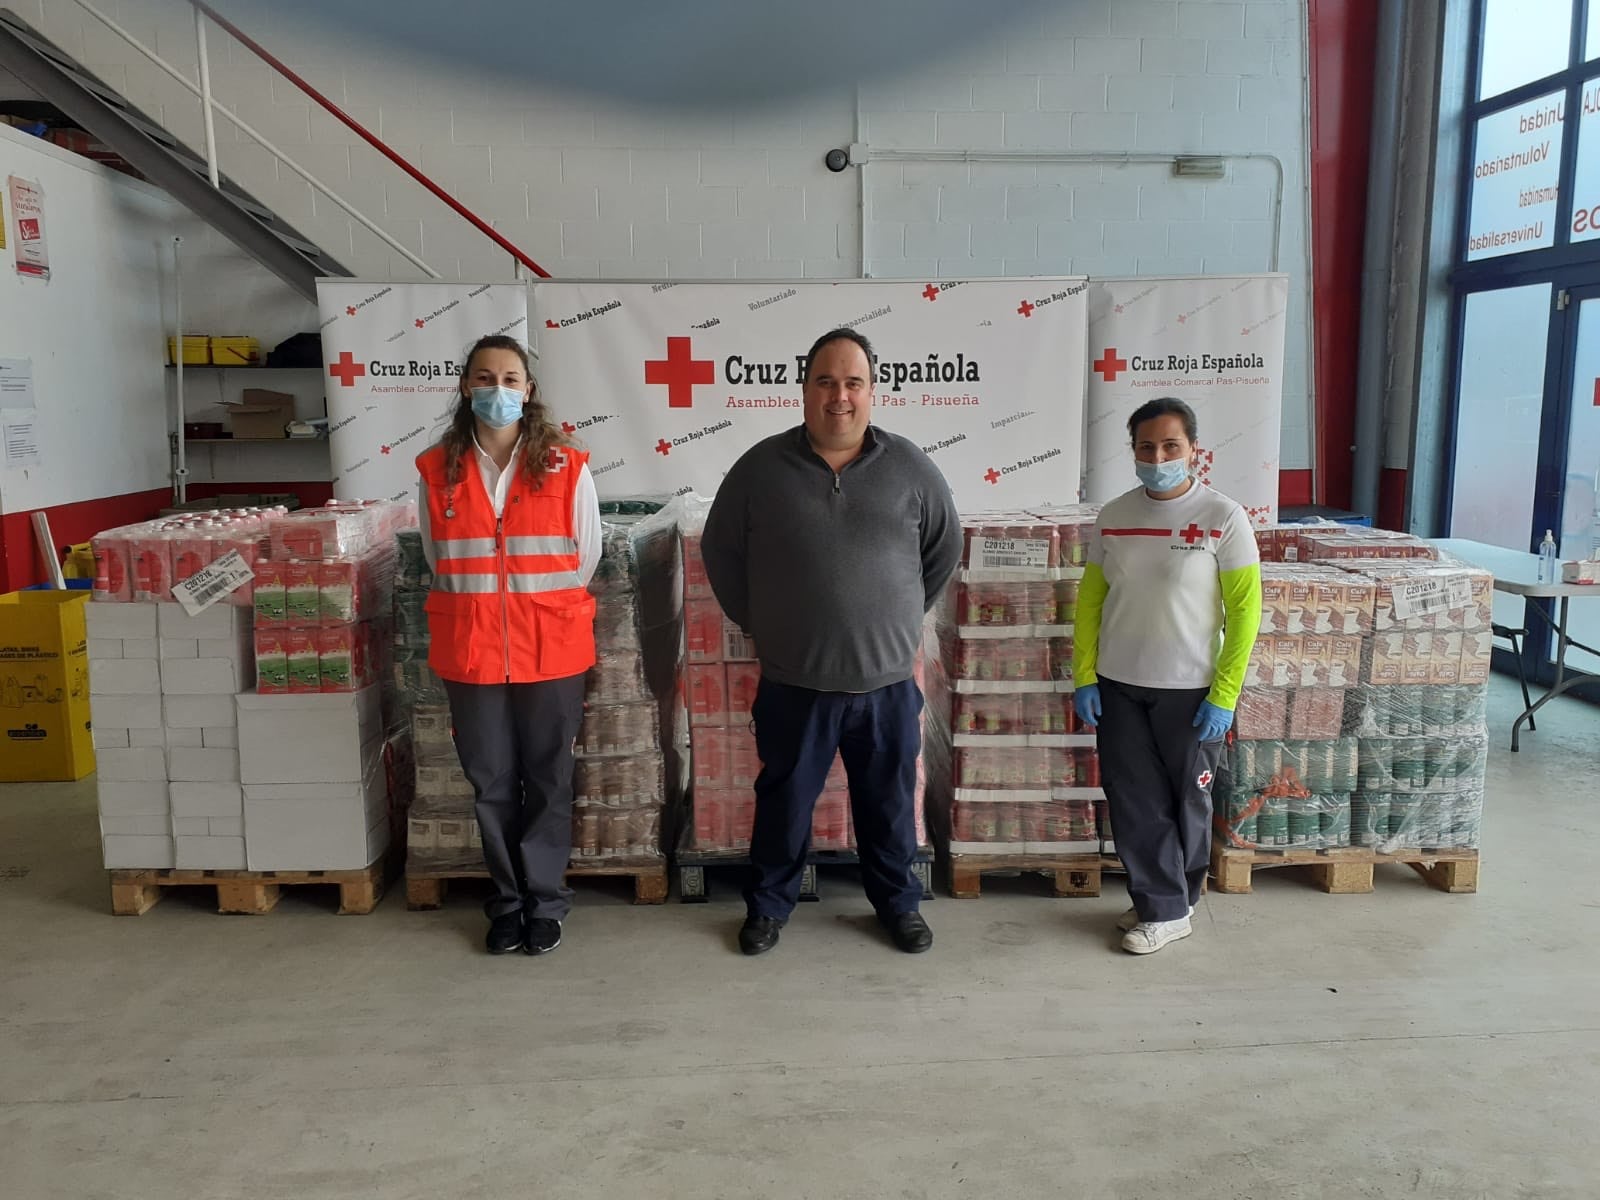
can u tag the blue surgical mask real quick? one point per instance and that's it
(498, 407)
(1162, 477)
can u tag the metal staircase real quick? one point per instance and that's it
(161, 158)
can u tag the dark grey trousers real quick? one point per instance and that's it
(515, 743)
(1157, 775)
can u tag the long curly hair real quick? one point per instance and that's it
(539, 434)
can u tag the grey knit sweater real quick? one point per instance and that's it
(831, 574)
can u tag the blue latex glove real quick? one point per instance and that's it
(1086, 700)
(1212, 722)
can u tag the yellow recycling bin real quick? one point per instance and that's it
(44, 687)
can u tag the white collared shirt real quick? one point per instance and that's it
(585, 507)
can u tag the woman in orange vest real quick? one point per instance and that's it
(511, 526)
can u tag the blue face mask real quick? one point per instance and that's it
(498, 407)
(1162, 477)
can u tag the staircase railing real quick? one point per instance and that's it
(209, 105)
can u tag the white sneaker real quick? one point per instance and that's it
(1129, 919)
(1149, 936)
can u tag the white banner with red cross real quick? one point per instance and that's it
(394, 353)
(1215, 342)
(668, 384)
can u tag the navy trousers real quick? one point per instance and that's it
(878, 735)
(515, 743)
(1157, 774)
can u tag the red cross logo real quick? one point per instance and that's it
(419, 322)
(558, 459)
(383, 449)
(680, 371)
(663, 447)
(549, 324)
(992, 475)
(568, 428)
(1118, 308)
(347, 370)
(1110, 366)
(1183, 318)
(1204, 779)
(1025, 308)
(1245, 332)
(931, 292)
(350, 310)
(1192, 534)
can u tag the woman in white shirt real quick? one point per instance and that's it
(1167, 614)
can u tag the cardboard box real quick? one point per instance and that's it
(124, 677)
(110, 739)
(146, 853)
(1262, 714)
(206, 800)
(178, 648)
(709, 751)
(191, 739)
(120, 621)
(1447, 648)
(702, 631)
(312, 739)
(220, 737)
(316, 827)
(1477, 649)
(1286, 655)
(199, 765)
(708, 694)
(141, 648)
(743, 680)
(149, 825)
(736, 646)
(218, 621)
(100, 648)
(262, 415)
(129, 799)
(1344, 661)
(206, 677)
(145, 765)
(140, 738)
(1274, 604)
(125, 712)
(209, 853)
(1260, 670)
(229, 826)
(196, 712)
(189, 826)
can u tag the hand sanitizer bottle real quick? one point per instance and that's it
(1547, 558)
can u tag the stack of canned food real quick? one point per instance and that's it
(1394, 760)
(1013, 774)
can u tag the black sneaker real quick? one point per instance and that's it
(543, 936)
(909, 932)
(505, 933)
(759, 934)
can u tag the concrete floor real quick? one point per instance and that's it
(1404, 1043)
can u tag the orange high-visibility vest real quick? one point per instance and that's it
(507, 605)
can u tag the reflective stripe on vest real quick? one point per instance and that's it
(520, 582)
(445, 549)
(537, 545)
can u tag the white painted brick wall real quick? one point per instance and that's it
(588, 188)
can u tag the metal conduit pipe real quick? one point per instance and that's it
(1372, 363)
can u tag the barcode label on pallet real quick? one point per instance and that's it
(1000, 554)
(211, 583)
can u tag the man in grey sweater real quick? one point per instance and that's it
(827, 544)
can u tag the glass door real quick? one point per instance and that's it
(1577, 525)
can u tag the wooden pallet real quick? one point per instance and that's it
(426, 888)
(134, 893)
(1071, 874)
(1347, 870)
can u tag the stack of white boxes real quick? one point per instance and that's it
(315, 790)
(162, 685)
